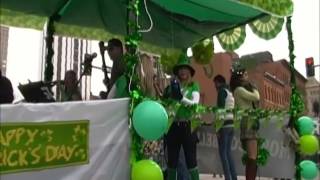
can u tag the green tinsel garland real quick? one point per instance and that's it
(261, 115)
(131, 59)
(296, 102)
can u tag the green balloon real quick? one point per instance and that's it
(150, 120)
(306, 125)
(309, 144)
(308, 170)
(146, 170)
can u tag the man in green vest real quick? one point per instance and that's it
(118, 81)
(187, 92)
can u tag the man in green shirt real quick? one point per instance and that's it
(118, 84)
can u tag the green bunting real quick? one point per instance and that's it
(276, 7)
(232, 39)
(267, 27)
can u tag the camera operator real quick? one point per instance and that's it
(69, 89)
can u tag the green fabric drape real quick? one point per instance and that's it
(175, 27)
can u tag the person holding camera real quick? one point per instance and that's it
(187, 92)
(246, 95)
(69, 88)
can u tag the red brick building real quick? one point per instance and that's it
(272, 78)
(274, 84)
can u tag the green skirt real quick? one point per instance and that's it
(247, 130)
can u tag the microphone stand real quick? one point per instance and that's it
(106, 80)
(87, 65)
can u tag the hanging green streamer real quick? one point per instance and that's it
(296, 102)
(131, 59)
(48, 72)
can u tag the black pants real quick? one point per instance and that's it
(180, 135)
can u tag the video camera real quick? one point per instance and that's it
(88, 58)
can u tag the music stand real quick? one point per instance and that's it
(36, 92)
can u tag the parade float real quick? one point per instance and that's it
(103, 139)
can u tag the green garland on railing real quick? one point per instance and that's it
(263, 115)
(296, 102)
(255, 115)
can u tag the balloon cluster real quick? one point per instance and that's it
(308, 145)
(150, 120)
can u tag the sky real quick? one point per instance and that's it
(24, 49)
(305, 27)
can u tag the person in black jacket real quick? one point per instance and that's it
(6, 91)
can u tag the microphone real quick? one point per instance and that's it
(89, 57)
(102, 47)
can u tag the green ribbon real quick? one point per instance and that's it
(296, 102)
(131, 59)
(263, 154)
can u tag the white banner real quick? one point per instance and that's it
(280, 163)
(109, 144)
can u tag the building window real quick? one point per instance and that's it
(272, 92)
(269, 93)
(266, 91)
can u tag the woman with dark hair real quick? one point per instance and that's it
(225, 134)
(246, 95)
